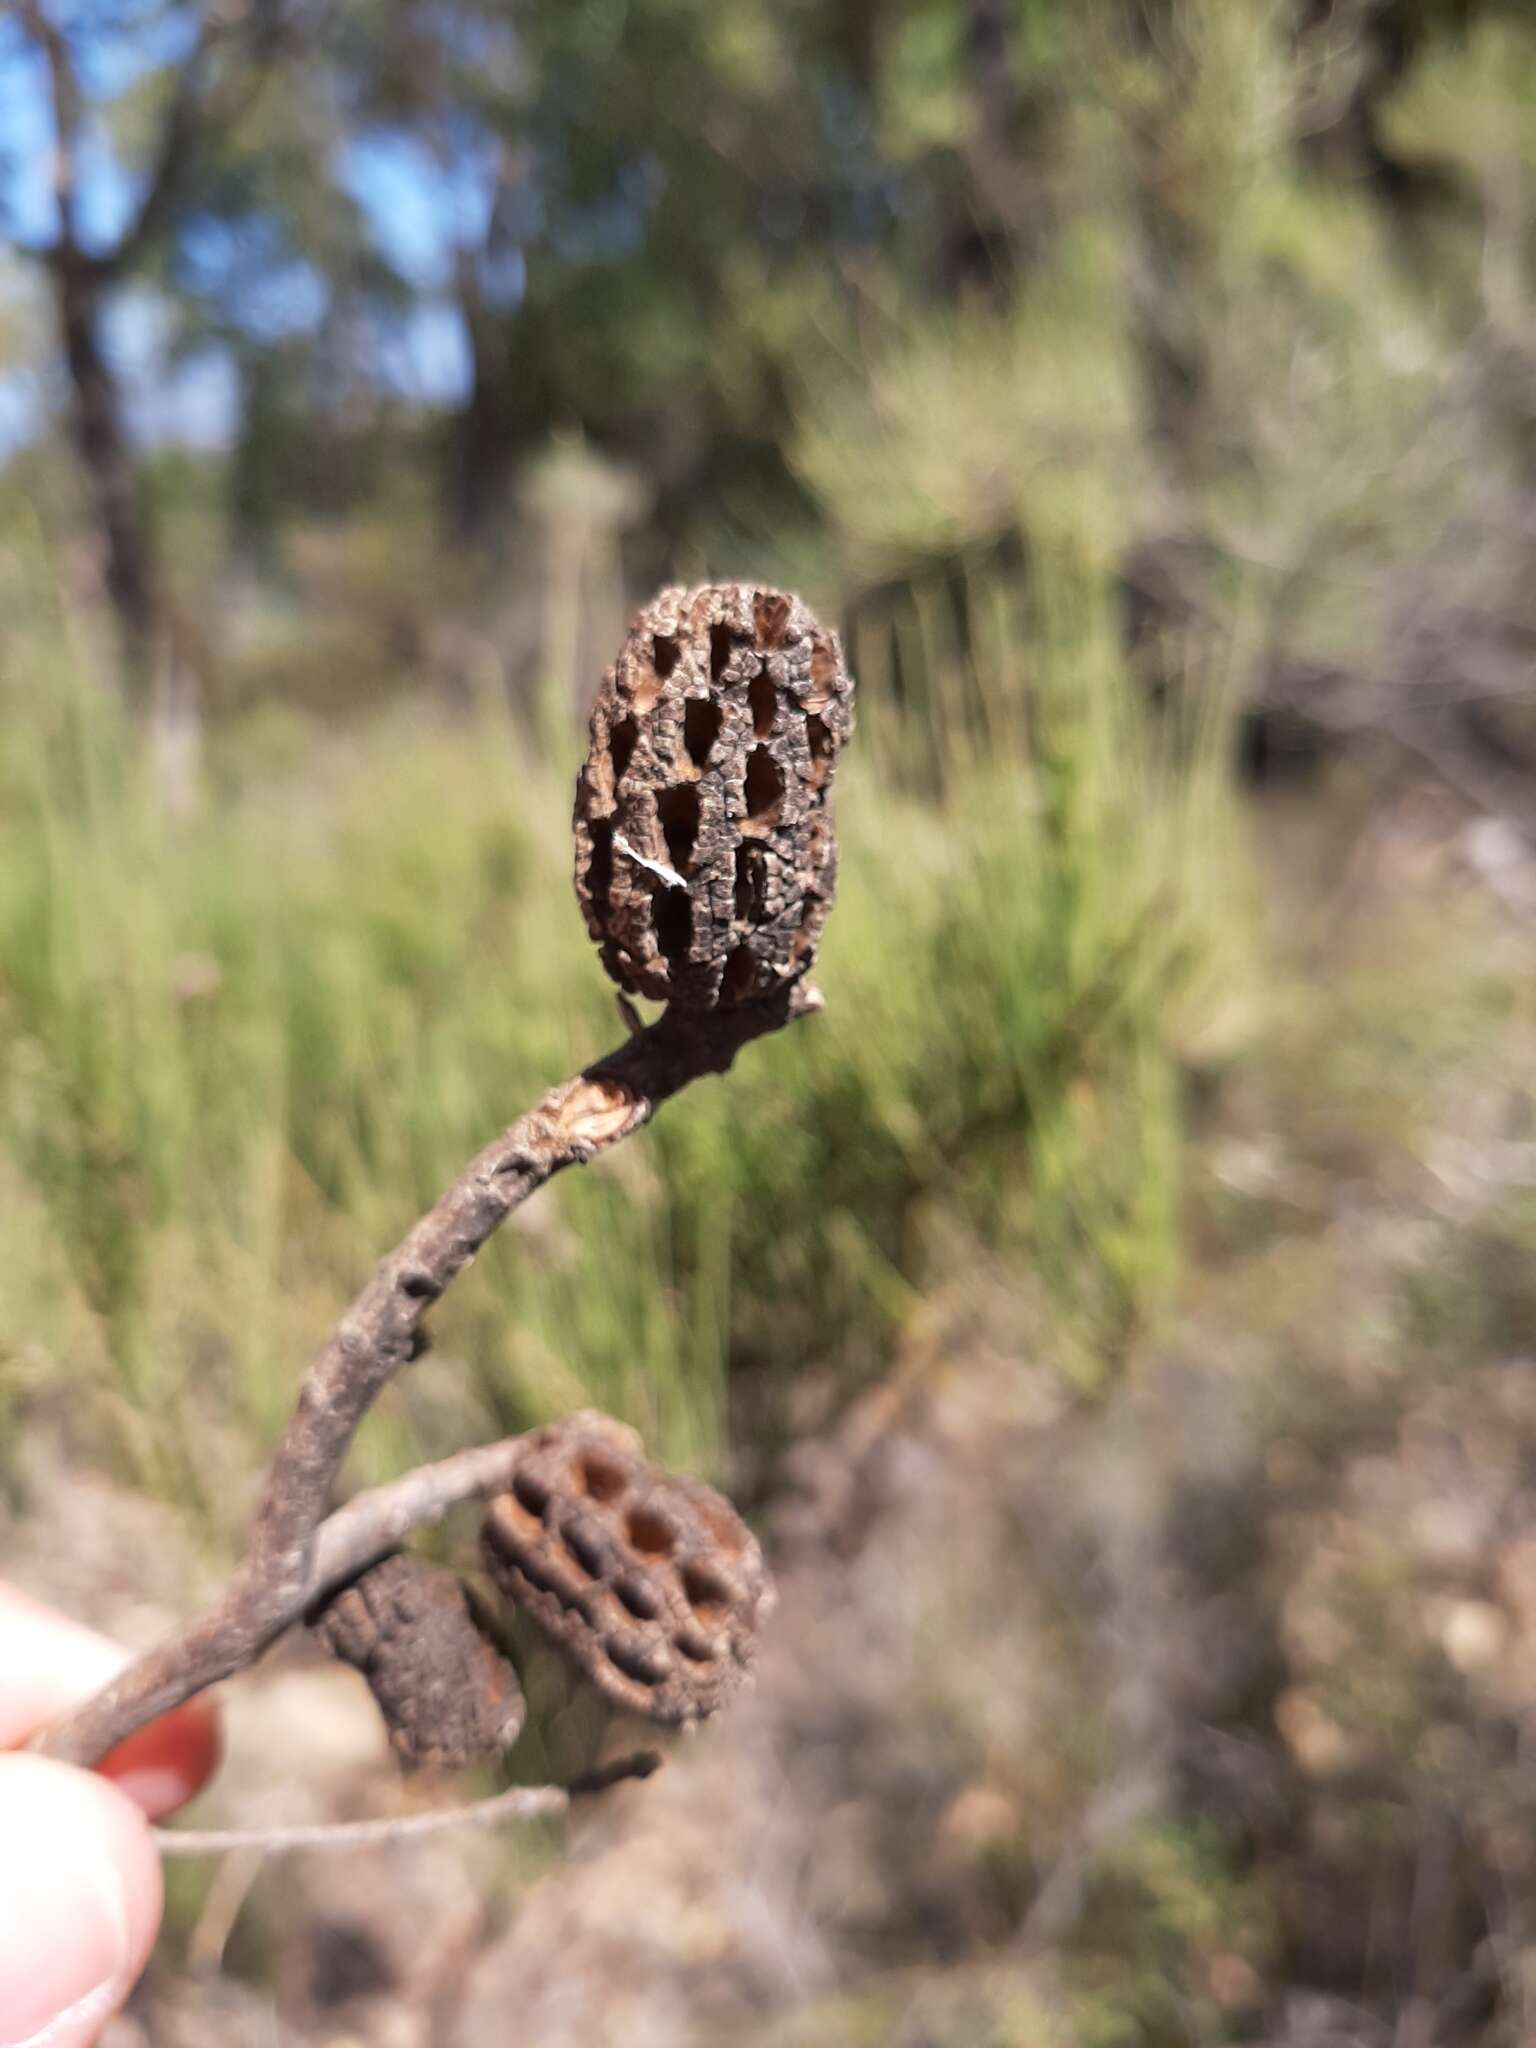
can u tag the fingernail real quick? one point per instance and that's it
(65, 1941)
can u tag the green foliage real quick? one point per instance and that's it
(1163, 1905)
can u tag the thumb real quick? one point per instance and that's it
(80, 1898)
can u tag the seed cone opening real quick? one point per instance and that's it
(651, 1585)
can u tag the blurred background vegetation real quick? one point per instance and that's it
(1147, 388)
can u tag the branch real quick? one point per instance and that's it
(64, 86)
(374, 1523)
(196, 111)
(179, 139)
(518, 1802)
(295, 1553)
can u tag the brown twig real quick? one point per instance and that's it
(295, 1553)
(372, 1524)
(518, 1802)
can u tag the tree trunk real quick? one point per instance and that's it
(485, 439)
(101, 441)
(511, 406)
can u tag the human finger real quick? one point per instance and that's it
(49, 1664)
(80, 1902)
